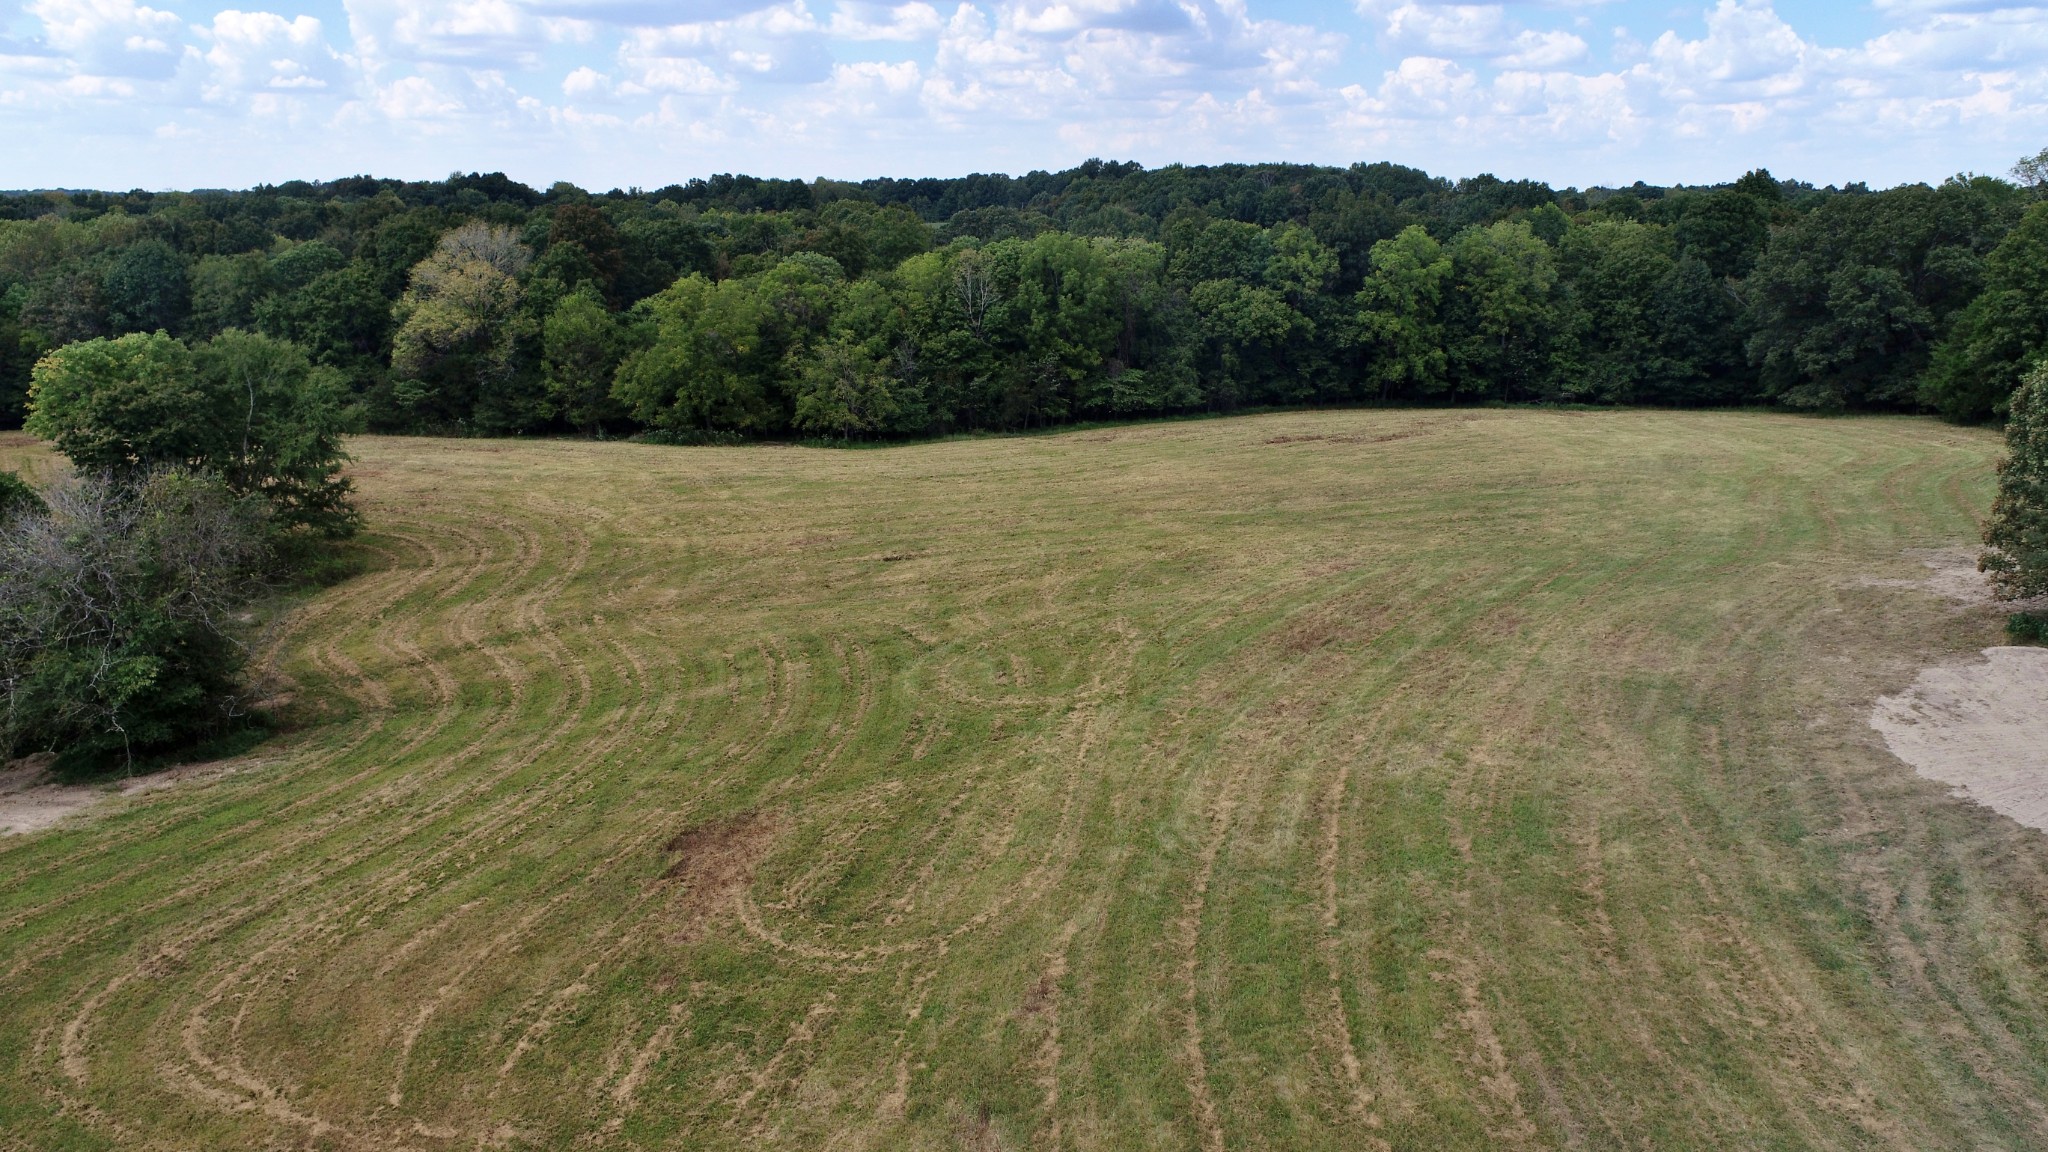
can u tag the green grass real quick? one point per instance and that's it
(1346, 780)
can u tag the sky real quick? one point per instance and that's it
(643, 93)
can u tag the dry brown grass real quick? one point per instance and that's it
(1312, 781)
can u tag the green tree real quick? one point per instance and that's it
(342, 319)
(65, 304)
(705, 362)
(251, 410)
(1726, 230)
(843, 391)
(147, 289)
(1614, 268)
(1248, 328)
(297, 265)
(19, 350)
(226, 291)
(1400, 316)
(1699, 357)
(2016, 536)
(2001, 334)
(1758, 184)
(658, 250)
(585, 228)
(582, 347)
(459, 325)
(284, 438)
(1847, 304)
(126, 404)
(1502, 314)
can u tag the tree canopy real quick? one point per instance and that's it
(2016, 536)
(249, 408)
(735, 305)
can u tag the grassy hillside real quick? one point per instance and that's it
(1422, 779)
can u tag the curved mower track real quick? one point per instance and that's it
(1319, 781)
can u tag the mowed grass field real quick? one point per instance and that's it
(1482, 779)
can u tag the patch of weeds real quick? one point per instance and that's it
(308, 562)
(691, 437)
(2027, 628)
(244, 733)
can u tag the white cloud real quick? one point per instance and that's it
(1748, 52)
(869, 86)
(112, 37)
(256, 51)
(1474, 30)
(851, 21)
(416, 98)
(1545, 50)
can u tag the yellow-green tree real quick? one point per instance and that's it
(459, 324)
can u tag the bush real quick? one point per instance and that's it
(2027, 628)
(115, 604)
(16, 496)
(250, 409)
(2016, 536)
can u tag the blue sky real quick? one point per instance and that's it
(197, 93)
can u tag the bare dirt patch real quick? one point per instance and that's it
(30, 800)
(1980, 727)
(1953, 575)
(714, 863)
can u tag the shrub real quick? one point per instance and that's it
(115, 603)
(249, 409)
(2016, 536)
(16, 496)
(2027, 628)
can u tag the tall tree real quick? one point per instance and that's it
(2002, 333)
(1503, 323)
(147, 289)
(1400, 316)
(581, 349)
(2016, 536)
(459, 325)
(251, 410)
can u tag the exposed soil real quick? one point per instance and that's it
(715, 862)
(1982, 728)
(30, 800)
(1953, 575)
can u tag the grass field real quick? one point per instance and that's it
(1324, 781)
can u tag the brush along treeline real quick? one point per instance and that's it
(736, 306)
(198, 476)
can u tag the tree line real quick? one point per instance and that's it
(735, 306)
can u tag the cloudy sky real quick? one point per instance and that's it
(189, 93)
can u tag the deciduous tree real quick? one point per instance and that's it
(2016, 536)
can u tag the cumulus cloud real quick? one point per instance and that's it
(111, 38)
(878, 22)
(264, 53)
(1473, 30)
(645, 91)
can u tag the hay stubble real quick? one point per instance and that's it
(1311, 781)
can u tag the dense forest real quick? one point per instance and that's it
(737, 306)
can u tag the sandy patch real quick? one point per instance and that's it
(30, 801)
(1952, 575)
(1980, 727)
